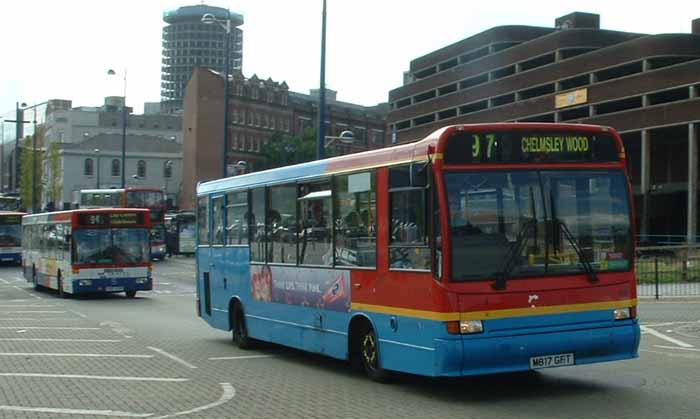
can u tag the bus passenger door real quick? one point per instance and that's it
(203, 259)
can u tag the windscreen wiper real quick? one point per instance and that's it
(512, 255)
(592, 277)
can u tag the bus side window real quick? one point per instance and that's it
(217, 215)
(256, 225)
(237, 218)
(355, 204)
(282, 224)
(315, 247)
(203, 220)
(408, 244)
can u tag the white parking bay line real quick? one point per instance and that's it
(59, 340)
(666, 338)
(28, 305)
(239, 357)
(93, 377)
(677, 348)
(49, 328)
(74, 411)
(33, 312)
(75, 355)
(173, 357)
(228, 393)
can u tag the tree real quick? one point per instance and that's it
(55, 187)
(283, 150)
(27, 169)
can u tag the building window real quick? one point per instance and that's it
(88, 169)
(141, 168)
(168, 169)
(116, 168)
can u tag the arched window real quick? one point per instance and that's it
(141, 168)
(168, 169)
(116, 168)
(88, 169)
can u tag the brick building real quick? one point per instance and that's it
(645, 86)
(260, 108)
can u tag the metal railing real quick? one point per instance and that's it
(668, 271)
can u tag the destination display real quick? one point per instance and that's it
(530, 147)
(10, 219)
(116, 219)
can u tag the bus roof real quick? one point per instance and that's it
(128, 189)
(388, 156)
(12, 213)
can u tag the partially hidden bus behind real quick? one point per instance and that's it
(88, 251)
(11, 237)
(480, 249)
(180, 232)
(133, 197)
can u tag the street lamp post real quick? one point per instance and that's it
(167, 173)
(210, 19)
(321, 149)
(34, 208)
(346, 137)
(97, 157)
(124, 120)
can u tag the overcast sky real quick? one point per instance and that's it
(63, 48)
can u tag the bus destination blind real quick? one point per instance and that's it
(530, 147)
(116, 219)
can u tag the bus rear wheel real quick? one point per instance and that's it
(130, 293)
(369, 354)
(239, 330)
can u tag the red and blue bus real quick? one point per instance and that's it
(133, 197)
(11, 236)
(480, 249)
(88, 251)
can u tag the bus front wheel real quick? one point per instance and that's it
(239, 331)
(130, 293)
(369, 353)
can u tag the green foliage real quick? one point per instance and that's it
(27, 157)
(283, 150)
(55, 186)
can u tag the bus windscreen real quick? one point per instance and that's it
(522, 147)
(111, 246)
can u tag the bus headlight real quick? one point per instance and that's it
(625, 313)
(85, 282)
(465, 327)
(141, 280)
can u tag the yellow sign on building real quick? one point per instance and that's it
(574, 97)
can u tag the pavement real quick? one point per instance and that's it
(110, 356)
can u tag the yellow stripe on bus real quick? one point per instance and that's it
(495, 314)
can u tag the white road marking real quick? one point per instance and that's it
(669, 323)
(239, 357)
(93, 377)
(77, 313)
(49, 328)
(75, 355)
(33, 312)
(666, 338)
(75, 411)
(173, 357)
(28, 305)
(58, 340)
(228, 393)
(35, 319)
(29, 292)
(675, 347)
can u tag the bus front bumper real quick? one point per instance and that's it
(112, 285)
(473, 355)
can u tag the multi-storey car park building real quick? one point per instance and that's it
(645, 86)
(188, 43)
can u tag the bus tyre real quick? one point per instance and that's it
(239, 330)
(369, 353)
(130, 293)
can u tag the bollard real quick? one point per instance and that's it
(656, 276)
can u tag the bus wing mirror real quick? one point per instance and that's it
(419, 174)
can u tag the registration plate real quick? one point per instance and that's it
(550, 361)
(108, 289)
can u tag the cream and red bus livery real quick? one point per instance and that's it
(88, 250)
(480, 249)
